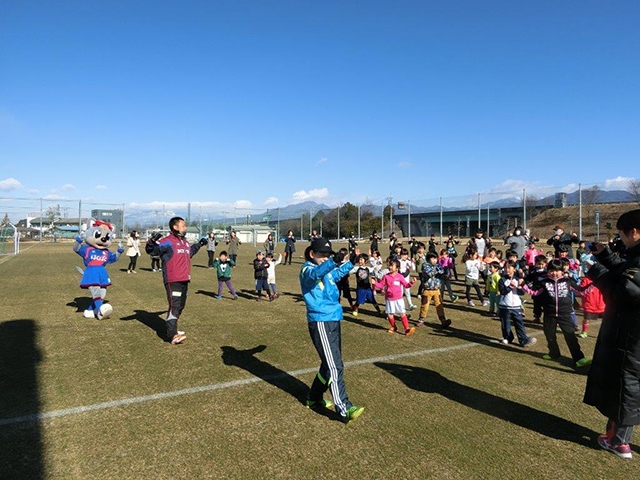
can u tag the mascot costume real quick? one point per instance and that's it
(93, 247)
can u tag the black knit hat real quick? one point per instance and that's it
(629, 220)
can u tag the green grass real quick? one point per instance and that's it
(487, 411)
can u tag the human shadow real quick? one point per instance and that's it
(206, 293)
(80, 303)
(20, 429)
(247, 360)
(363, 323)
(296, 296)
(247, 294)
(544, 423)
(153, 320)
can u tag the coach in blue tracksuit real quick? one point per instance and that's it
(318, 278)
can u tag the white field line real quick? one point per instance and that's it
(36, 417)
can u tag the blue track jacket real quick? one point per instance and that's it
(319, 289)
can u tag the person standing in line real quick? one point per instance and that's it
(133, 250)
(176, 253)
(289, 247)
(211, 248)
(233, 244)
(613, 383)
(373, 242)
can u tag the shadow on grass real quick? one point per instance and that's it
(247, 360)
(20, 430)
(475, 337)
(247, 294)
(153, 320)
(80, 303)
(544, 423)
(383, 325)
(296, 296)
(206, 293)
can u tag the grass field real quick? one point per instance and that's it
(450, 404)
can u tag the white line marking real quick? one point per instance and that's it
(36, 417)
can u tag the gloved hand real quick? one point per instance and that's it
(203, 241)
(120, 247)
(79, 239)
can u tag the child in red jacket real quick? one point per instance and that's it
(592, 303)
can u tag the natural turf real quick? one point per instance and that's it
(486, 411)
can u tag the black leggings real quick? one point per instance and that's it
(132, 262)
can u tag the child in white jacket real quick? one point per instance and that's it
(271, 274)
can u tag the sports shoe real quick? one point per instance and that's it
(353, 413)
(410, 332)
(218, 297)
(623, 450)
(446, 323)
(532, 341)
(235, 297)
(471, 304)
(546, 356)
(393, 330)
(412, 307)
(583, 362)
(180, 332)
(504, 341)
(583, 335)
(318, 403)
(454, 299)
(420, 322)
(355, 313)
(485, 303)
(178, 339)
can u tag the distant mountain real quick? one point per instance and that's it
(292, 211)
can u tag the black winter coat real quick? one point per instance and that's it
(613, 384)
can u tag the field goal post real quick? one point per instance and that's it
(9, 240)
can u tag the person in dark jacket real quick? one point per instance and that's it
(260, 273)
(560, 237)
(289, 247)
(557, 304)
(176, 253)
(613, 384)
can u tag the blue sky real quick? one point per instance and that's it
(258, 104)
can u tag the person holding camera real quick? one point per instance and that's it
(176, 253)
(613, 384)
(560, 237)
(320, 273)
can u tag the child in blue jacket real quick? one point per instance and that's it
(318, 278)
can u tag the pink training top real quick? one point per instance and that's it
(392, 284)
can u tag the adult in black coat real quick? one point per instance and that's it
(613, 384)
(560, 237)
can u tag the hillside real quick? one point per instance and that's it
(542, 225)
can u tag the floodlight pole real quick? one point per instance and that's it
(409, 217)
(440, 220)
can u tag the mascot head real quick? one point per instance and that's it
(99, 234)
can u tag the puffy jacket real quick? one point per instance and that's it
(592, 299)
(509, 296)
(613, 384)
(319, 289)
(260, 268)
(556, 295)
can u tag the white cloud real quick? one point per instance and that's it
(405, 165)
(314, 194)
(33, 191)
(618, 183)
(271, 201)
(102, 187)
(243, 204)
(68, 186)
(9, 184)
(55, 196)
(322, 160)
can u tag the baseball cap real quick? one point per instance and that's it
(321, 245)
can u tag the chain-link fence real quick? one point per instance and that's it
(580, 208)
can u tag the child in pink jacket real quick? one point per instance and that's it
(392, 284)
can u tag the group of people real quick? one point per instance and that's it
(554, 279)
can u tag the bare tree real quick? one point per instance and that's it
(590, 197)
(633, 187)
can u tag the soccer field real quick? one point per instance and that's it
(82, 398)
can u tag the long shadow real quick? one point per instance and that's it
(296, 296)
(475, 337)
(206, 293)
(20, 429)
(544, 423)
(247, 294)
(247, 360)
(363, 323)
(153, 320)
(80, 303)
